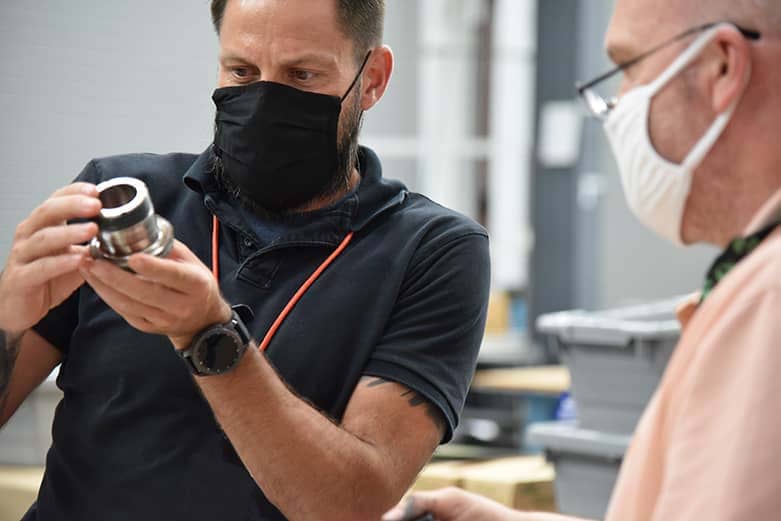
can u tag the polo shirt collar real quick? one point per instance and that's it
(374, 196)
(767, 215)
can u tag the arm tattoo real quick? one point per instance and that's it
(9, 350)
(432, 411)
(415, 400)
(374, 382)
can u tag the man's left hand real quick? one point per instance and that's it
(176, 296)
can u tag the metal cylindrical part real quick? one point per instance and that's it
(128, 224)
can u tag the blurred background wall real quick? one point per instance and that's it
(481, 115)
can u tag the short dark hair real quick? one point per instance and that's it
(361, 20)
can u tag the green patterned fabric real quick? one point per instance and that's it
(737, 250)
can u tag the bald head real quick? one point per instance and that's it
(744, 167)
(761, 15)
(637, 24)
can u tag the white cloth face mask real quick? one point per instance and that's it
(655, 188)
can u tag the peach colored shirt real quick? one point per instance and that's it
(708, 447)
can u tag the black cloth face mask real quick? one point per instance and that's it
(278, 144)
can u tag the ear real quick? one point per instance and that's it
(376, 76)
(733, 69)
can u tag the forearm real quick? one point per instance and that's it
(9, 352)
(309, 467)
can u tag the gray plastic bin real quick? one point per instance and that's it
(587, 465)
(615, 358)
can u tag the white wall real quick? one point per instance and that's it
(89, 78)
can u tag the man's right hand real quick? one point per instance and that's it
(43, 267)
(451, 504)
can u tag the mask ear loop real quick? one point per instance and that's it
(357, 76)
(705, 144)
(685, 59)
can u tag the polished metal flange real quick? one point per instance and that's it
(128, 224)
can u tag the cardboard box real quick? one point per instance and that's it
(18, 489)
(440, 475)
(522, 483)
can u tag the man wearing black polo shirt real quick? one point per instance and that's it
(338, 401)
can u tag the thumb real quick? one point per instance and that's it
(64, 286)
(180, 252)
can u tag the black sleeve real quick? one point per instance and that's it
(436, 328)
(58, 325)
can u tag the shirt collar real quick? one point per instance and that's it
(375, 195)
(687, 308)
(767, 215)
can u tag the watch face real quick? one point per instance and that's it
(217, 353)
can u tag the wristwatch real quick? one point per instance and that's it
(219, 349)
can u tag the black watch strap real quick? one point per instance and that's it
(245, 315)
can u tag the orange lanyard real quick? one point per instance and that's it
(301, 291)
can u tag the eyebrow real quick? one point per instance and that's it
(308, 59)
(317, 59)
(232, 56)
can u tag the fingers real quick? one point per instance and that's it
(131, 286)
(180, 252)
(44, 270)
(178, 298)
(177, 273)
(448, 504)
(87, 189)
(84, 250)
(136, 312)
(54, 240)
(411, 508)
(64, 286)
(142, 324)
(58, 210)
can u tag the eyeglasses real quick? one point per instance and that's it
(601, 106)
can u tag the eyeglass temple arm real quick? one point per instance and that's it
(748, 33)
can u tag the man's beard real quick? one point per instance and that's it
(346, 161)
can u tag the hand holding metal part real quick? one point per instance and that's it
(453, 504)
(43, 265)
